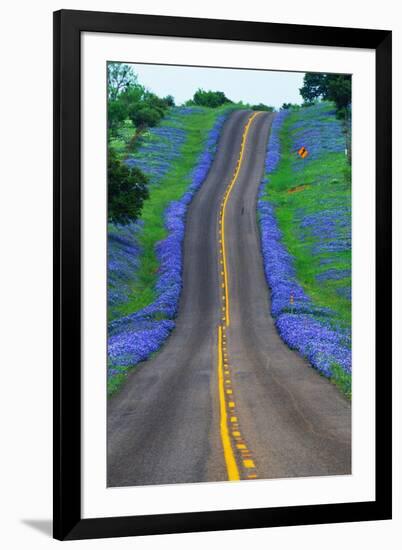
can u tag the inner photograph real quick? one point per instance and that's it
(229, 274)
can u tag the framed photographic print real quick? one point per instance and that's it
(222, 274)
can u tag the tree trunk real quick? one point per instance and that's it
(131, 144)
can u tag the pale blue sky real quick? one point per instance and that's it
(251, 86)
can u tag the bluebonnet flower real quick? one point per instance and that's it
(154, 155)
(123, 260)
(331, 229)
(334, 274)
(320, 344)
(319, 131)
(134, 337)
(157, 150)
(344, 292)
(132, 346)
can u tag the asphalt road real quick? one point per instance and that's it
(225, 398)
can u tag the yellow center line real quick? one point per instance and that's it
(226, 395)
(231, 465)
(222, 221)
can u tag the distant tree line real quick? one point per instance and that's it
(215, 99)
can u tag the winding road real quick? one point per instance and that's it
(225, 398)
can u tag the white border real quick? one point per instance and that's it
(97, 501)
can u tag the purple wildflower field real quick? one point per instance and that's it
(327, 231)
(304, 326)
(321, 130)
(135, 337)
(123, 260)
(156, 152)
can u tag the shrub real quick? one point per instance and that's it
(127, 190)
(290, 106)
(117, 112)
(262, 107)
(144, 116)
(169, 101)
(210, 98)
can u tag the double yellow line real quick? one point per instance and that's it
(224, 380)
(223, 213)
(231, 464)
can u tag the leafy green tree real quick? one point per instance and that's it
(127, 190)
(336, 88)
(262, 107)
(116, 114)
(333, 87)
(120, 77)
(144, 116)
(134, 94)
(339, 90)
(209, 98)
(169, 101)
(314, 87)
(119, 103)
(128, 99)
(154, 102)
(292, 106)
(146, 113)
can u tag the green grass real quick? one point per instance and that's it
(327, 182)
(342, 380)
(120, 139)
(323, 184)
(172, 187)
(115, 382)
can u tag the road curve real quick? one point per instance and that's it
(282, 419)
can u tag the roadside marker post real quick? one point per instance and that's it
(292, 301)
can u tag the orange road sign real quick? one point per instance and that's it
(302, 152)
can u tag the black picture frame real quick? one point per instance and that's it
(68, 26)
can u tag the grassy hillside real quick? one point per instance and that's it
(306, 207)
(167, 154)
(144, 258)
